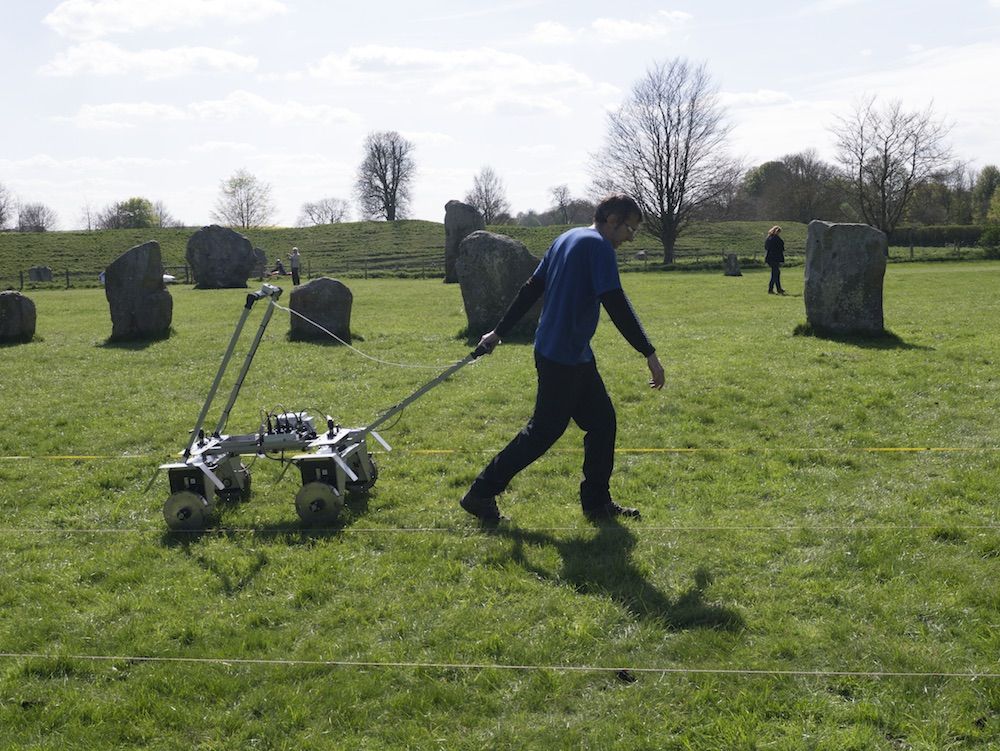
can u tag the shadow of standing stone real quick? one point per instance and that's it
(491, 269)
(17, 317)
(220, 258)
(325, 301)
(844, 274)
(460, 220)
(141, 307)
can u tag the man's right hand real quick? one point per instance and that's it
(657, 376)
(488, 342)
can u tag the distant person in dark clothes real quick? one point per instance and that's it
(295, 263)
(279, 268)
(774, 257)
(578, 274)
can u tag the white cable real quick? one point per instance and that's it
(355, 349)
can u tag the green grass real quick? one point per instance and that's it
(411, 248)
(774, 538)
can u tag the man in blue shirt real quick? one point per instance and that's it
(577, 275)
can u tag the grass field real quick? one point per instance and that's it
(816, 567)
(396, 249)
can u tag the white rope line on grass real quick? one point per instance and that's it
(358, 351)
(370, 664)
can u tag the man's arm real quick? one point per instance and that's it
(625, 320)
(527, 296)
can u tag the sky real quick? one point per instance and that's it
(103, 100)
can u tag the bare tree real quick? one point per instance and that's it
(35, 217)
(385, 176)
(489, 195)
(665, 148)
(888, 153)
(561, 199)
(323, 211)
(162, 216)
(8, 205)
(244, 202)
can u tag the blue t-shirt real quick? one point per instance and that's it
(577, 269)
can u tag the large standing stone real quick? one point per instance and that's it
(17, 317)
(845, 269)
(491, 269)
(259, 263)
(141, 307)
(325, 301)
(220, 257)
(460, 220)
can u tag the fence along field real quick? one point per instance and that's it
(409, 248)
(816, 566)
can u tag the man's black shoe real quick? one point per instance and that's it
(609, 511)
(483, 508)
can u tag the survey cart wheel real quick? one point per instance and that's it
(186, 510)
(363, 486)
(318, 504)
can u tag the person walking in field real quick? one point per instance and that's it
(578, 274)
(774, 256)
(295, 263)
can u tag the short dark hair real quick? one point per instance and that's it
(621, 205)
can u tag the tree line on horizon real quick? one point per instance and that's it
(667, 146)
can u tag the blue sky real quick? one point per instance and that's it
(107, 99)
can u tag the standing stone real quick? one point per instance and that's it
(491, 269)
(732, 265)
(325, 301)
(141, 307)
(17, 317)
(219, 257)
(40, 274)
(259, 263)
(845, 269)
(460, 220)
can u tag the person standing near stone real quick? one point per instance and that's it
(294, 263)
(577, 275)
(774, 256)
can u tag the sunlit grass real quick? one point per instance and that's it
(783, 531)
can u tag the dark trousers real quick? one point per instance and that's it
(565, 392)
(775, 282)
(295, 276)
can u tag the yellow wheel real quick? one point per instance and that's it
(186, 510)
(318, 504)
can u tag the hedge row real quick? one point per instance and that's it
(937, 236)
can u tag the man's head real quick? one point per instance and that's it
(617, 218)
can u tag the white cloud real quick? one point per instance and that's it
(90, 19)
(106, 59)
(612, 30)
(215, 147)
(239, 105)
(483, 80)
(759, 98)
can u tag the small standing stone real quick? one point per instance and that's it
(732, 265)
(327, 302)
(17, 317)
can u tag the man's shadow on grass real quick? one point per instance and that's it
(602, 564)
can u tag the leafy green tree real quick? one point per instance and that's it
(983, 190)
(132, 213)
